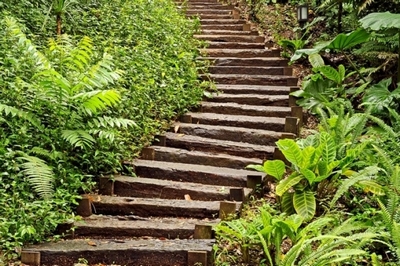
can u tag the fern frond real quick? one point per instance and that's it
(97, 100)
(365, 174)
(13, 112)
(383, 125)
(14, 31)
(40, 175)
(53, 155)
(78, 138)
(106, 122)
(104, 134)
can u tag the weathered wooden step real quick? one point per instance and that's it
(242, 53)
(256, 122)
(251, 99)
(103, 226)
(239, 134)
(214, 145)
(231, 108)
(146, 207)
(205, 21)
(235, 45)
(126, 252)
(208, 11)
(141, 187)
(249, 70)
(253, 89)
(229, 32)
(256, 61)
(211, 16)
(210, 5)
(176, 155)
(276, 80)
(230, 38)
(233, 27)
(203, 174)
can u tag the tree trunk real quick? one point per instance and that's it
(59, 24)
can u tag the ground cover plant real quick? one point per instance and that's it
(334, 200)
(83, 86)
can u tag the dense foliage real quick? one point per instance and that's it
(335, 198)
(83, 86)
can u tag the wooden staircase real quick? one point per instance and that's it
(194, 175)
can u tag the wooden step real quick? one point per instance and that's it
(204, 21)
(203, 174)
(231, 108)
(253, 89)
(251, 99)
(140, 187)
(242, 53)
(208, 11)
(146, 207)
(142, 252)
(230, 38)
(220, 146)
(250, 70)
(228, 32)
(239, 134)
(256, 122)
(212, 16)
(255, 61)
(233, 27)
(103, 226)
(169, 154)
(234, 45)
(209, 5)
(276, 80)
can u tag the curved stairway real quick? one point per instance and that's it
(194, 175)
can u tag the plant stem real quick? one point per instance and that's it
(355, 68)
(58, 24)
(398, 61)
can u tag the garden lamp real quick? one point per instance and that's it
(302, 13)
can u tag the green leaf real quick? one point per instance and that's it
(316, 60)
(308, 154)
(287, 203)
(328, 148)
(381, 21)
(256, 167)
(309, 175)
(372, 186)
(330, 73)
(291, 151)
(304, 203)
(345, 41)
(275, 168)
(287, 183)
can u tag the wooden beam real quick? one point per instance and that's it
(147, 153)
(254, 180)
(197, 258)
(292, 125)
(160, 140)
(236, 194)
(31, 258)
(106, 186)
(85, 206)
(202, 231)
(226, 209)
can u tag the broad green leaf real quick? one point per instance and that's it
(287, 183)
(256, 167)
(275, 168)
(330, 73)
(304, 203)
(328, 148)
(372, 186)
(322, 168)
(381, 21)
(316, 60)
(346, 41)
(309, 175)
(291, 151)
(315, 50)
(287, 203)
(308, 154)
(342, 72)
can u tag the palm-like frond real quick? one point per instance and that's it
(40, 175)
(105, 122)
(78, 138)
(94, 101)
(13, 112)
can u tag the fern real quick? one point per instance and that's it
(39, 173)
(365, 174)
(78, 138)
(13, 112)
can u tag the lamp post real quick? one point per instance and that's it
(302, 17)
(302, 14)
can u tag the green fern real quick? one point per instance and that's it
(78, 138)
(14, 112)
(40, 175)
